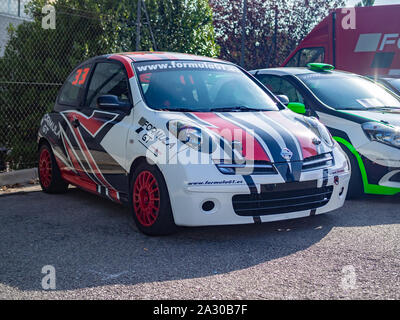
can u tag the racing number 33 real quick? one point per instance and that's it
(78, 79)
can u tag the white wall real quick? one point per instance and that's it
(11, 11)
(5, 21)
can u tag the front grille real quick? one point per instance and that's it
(318, 162)
(255, 167)
(282, 198)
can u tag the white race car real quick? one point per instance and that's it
(188, 141)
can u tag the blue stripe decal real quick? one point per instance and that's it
(289, 141)
(250, 183)
(274, 148)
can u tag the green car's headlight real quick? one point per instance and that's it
(380, 132)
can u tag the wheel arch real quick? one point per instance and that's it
(43, 141)
(346, 145)
(137, 162)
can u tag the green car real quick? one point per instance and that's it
(363, 117)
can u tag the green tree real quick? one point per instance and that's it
(37, 61)
(178, 25)
(273, 28)
(365, 3)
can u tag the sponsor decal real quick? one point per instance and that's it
(373, 42)
(179, 65)
(221, 182)
(150, 133)
(48, 124)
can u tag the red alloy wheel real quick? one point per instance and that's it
(146, 198)
(45, 170)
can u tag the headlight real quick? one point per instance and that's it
(191, 135)
(380, 132)
(319, 130)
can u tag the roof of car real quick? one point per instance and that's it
(144, 56)
(292, 71)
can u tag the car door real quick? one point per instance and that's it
(67, 149)
(102, 134)
(280, 86)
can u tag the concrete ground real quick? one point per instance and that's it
(97, 253)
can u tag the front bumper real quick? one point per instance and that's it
(380, 167)
(193, 187)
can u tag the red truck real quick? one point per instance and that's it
(363, 40)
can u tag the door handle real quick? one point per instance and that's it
(75, 123)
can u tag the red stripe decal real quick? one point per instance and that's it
(95, 169)
(91, 124)
(83, 180)
(127, 62)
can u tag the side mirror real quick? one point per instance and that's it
(110, 102)
(284, 99)
(297, 107)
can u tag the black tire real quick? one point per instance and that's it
(155, 217)
(53, 183)
(356, 185)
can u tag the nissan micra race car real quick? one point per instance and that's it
(187, 141)
(362, 116)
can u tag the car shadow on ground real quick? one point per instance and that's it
(93, 242)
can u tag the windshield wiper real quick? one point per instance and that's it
(236, 108)
(178, 109)
(382, 108)
(350, 108)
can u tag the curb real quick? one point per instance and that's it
(18, 176)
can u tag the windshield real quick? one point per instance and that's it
(200, 86)
(394, 82)
(349, 92)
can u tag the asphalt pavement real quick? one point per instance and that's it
(95, 252)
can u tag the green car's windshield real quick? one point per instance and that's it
(349, 92)
(394, 82)
(200, 86)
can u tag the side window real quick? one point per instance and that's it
(310, 55)
(108, 79)
(69, 94)
(279, 85)
(306, 56)
(294, 61)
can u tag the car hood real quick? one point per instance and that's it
(391, 117)
(273, 136)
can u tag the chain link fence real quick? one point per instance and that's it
(41, 44)
(33, 66)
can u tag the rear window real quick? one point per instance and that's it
(71, 89)
(306, 56)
